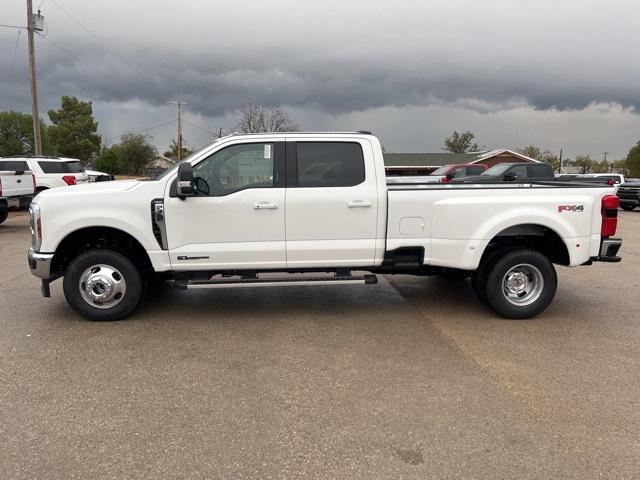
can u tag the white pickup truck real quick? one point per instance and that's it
(17, 187)
(248, 207)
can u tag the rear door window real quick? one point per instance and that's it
(329, 164)
(15, 165)
(60, 167)
(539, 171)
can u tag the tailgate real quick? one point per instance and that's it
(13, 185)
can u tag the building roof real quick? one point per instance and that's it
(501, 151)
(432, 160)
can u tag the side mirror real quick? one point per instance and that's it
(510, 176)
(184, 185)
(451, 176)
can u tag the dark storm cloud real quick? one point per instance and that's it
(216, 84)
(336, 59)
(514, 71)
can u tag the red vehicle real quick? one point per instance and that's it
(449, 172)
(442, 174)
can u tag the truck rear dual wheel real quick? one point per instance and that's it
(103, 285)
(516, 283)
(4, 213)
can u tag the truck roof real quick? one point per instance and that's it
(358, 132)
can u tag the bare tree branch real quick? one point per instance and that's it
(260, 119)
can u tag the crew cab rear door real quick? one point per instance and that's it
(331, 203)
(236, 221)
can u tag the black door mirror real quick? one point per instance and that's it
(185, 186)
(510, 176)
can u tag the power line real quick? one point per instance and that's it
(13, 61)
(12, 26)
(88, 65)
(201, 128)
(155, 126)
(95, 37)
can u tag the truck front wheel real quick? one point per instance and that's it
(102, 285)
(521, 284)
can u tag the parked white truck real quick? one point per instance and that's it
(248, 206)
(17, 187)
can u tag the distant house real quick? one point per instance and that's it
(425, 163)
(159, 165)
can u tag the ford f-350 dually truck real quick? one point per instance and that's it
(249, 206)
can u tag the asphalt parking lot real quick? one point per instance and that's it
(410, 378)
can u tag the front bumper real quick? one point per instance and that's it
(609, 250)
(40, 264)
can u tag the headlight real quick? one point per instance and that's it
(35, 225)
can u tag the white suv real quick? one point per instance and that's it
(53, 172)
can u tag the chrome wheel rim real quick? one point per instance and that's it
(102, 286)
(523, 284)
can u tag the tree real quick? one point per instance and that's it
(531, 151)
(460, 143)
(135, 153)
(633, 161)
(584, 162)
(620, 166)
(259, 119)
(551, 158)
(16, 134)
(108, 161)
(73, 133)
(603, 166)
(172, 153)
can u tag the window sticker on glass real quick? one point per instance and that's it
(267, 150)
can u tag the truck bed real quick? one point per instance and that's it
(454, 230)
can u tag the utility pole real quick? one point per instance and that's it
(179, 104)
(37, 142)
(560, 160)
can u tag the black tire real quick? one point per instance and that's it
(125, 269)
(627, 207)
(479, 276)
(538, 273)
(4, 213)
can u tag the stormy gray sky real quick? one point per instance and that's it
(560, 74)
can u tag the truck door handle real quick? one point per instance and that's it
(265, 205)
(358, 204)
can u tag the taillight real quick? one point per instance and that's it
(69, 179)
(610, 204)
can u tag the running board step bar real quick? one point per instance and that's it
(278, 282)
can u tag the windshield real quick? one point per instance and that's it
(440, 171)
(497, 169)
